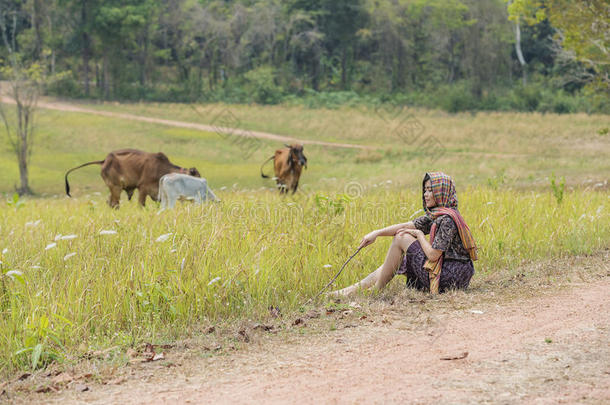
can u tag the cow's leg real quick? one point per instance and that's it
(150, 190)
(210, 195)
(163, 197)
(115, 196)
(129, 192)
(142, 193)
(172, 197)
(153, 192)
(294, 188)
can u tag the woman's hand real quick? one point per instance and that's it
(416, 233)
(368, 239)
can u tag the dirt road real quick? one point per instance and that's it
(544, 350)
(190, 125)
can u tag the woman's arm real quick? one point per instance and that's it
(387, 231)
(392, 229)
(431, 253)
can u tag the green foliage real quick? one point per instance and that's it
(64, 84)
(42, 344)
(332, 206)
(497, 182)
(261, 84)
(326, 53)
(558, 189)
(15, 202)
(582, 29)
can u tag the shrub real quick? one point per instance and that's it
(261, 84)
(64, 85)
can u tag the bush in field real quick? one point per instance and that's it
(261, 85)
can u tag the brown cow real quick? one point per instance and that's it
(288, 163)
(128, 169)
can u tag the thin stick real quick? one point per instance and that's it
(334, 278)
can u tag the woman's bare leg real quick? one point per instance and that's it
(382, 276)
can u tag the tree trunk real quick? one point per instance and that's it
(23, 127)
(23, 172)
(344, 68)
(105, 81)
(519, 53)
(86, 46)
(36, 22)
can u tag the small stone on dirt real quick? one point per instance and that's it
(81, 388)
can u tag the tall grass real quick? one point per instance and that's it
(77, 276)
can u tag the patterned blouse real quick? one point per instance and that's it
(447, 236)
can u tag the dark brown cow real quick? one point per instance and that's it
(288, 163)
(128, 169)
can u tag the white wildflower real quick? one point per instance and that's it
(214, 281)
(476, 311)
(68, 237)
(4, 251)
(163, 237)
(69, 255)
(35, 267)
(33, 223)
(50, 246)
(13, 273)
(107, 232)
(327, 266)
(57, 237)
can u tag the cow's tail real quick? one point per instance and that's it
(264, 176)
(97, 162)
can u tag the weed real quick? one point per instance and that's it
(15, 202)
(42, 342)
(558, 189)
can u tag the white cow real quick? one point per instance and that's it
(174, 186)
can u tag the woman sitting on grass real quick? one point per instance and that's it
(443, 263)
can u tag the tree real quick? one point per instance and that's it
(583, 32)
(24, 88)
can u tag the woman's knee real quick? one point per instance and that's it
(403, 240)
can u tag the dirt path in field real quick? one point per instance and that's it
(225, 131)
(543, 350)
(190, 125)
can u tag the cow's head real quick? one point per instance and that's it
(296, 155)
(193, 172)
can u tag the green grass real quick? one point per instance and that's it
(526, 148)
(97, 291)
(261, 249)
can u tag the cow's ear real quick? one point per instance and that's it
(288, 146)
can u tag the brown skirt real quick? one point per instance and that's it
(455, 273)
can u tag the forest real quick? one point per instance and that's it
(456, 55)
